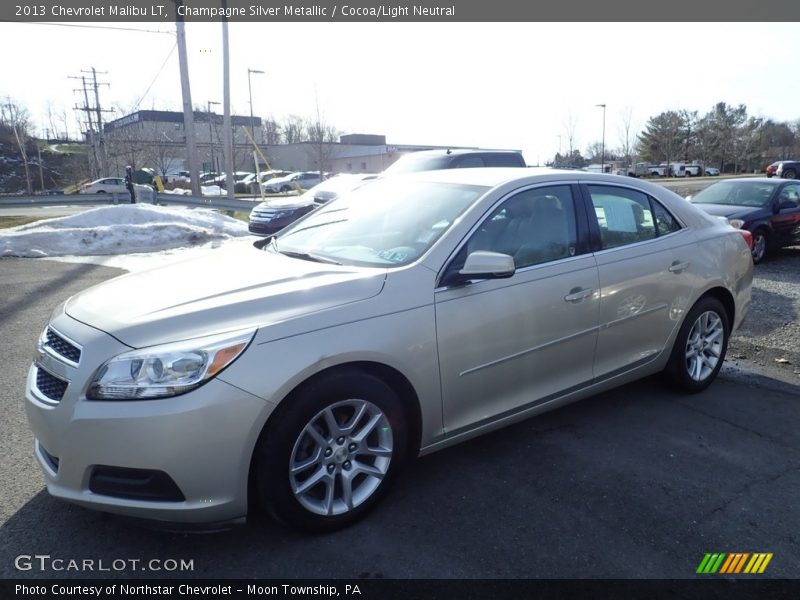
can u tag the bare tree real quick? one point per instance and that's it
(294, 129)
(272, 131)
(323, 138)
(17, 118)
(627, 136)
(570, 124)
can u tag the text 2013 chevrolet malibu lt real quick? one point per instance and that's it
(408, 315)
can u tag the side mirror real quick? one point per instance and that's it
(786, 204)
(483, 264)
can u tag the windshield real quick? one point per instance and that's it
(737, 193)
(386, 223)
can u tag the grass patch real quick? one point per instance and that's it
(242, 215)
(14, 221)
(72, 149)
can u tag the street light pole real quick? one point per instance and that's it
(250, 91)
(211, 134)
(603, 143)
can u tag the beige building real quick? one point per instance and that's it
(354, 153)
(157, 139)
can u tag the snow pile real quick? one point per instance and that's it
(119, 230)
(205, 190)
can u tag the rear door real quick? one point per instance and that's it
(644, 262)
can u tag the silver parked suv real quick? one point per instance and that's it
(403, 317)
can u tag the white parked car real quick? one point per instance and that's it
(107, 185)
(403, 317)
(303, 180)
(713, 171)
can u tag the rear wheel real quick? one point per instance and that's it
(332, 453)
(700, 347)
(789, 174)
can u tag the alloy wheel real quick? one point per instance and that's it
(704, 345)
(340, 457)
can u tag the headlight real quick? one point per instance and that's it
(736, 223)
(167, 370)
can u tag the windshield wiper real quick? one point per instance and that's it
(309, 256)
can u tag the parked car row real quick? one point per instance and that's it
(785, 169)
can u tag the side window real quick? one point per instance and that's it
(665, 222)
(790, 193)
(534, 226)
(624, 216)
(469, 162)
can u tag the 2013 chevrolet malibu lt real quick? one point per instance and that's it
(405, 316)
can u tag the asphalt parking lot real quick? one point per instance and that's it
(636, 482)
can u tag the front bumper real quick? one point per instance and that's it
(202, 441)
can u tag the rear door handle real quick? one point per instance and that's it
(577, 294)
(677, 267)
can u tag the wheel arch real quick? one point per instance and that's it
(726, 298)
(389, 375)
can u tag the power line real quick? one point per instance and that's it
(158, 74)
(109, 27)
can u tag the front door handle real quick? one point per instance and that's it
(678, 266)
(577, 294)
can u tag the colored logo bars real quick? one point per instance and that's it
(727, 564)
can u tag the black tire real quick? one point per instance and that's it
(789, 174)
(680, 364)
(761, 245)
(285, 441)
(285, 188)
(101, 192)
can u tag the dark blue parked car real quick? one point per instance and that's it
(768, 208)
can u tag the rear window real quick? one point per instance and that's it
(503, 160)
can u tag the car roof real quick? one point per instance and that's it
(495, 176)
(459, 151)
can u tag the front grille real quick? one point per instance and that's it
(49, 385)
(62, 347)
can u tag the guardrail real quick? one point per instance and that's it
(218, 202)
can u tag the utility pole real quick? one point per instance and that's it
(230, 182)
(211, 135)
(603, 143)
(250, 92)
(90, 137)
(188, 115)
(103, 156)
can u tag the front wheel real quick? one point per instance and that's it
(700, 347)
(760, 246)
(331, 453)
(789, 174)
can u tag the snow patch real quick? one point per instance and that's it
(122, 229)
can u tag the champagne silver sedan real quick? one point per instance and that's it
(406, 316)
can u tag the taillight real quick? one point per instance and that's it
(748, 237)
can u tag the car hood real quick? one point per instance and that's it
(228, 291)
(730, 211)
(286, 203)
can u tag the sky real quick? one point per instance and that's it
(493, 85)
